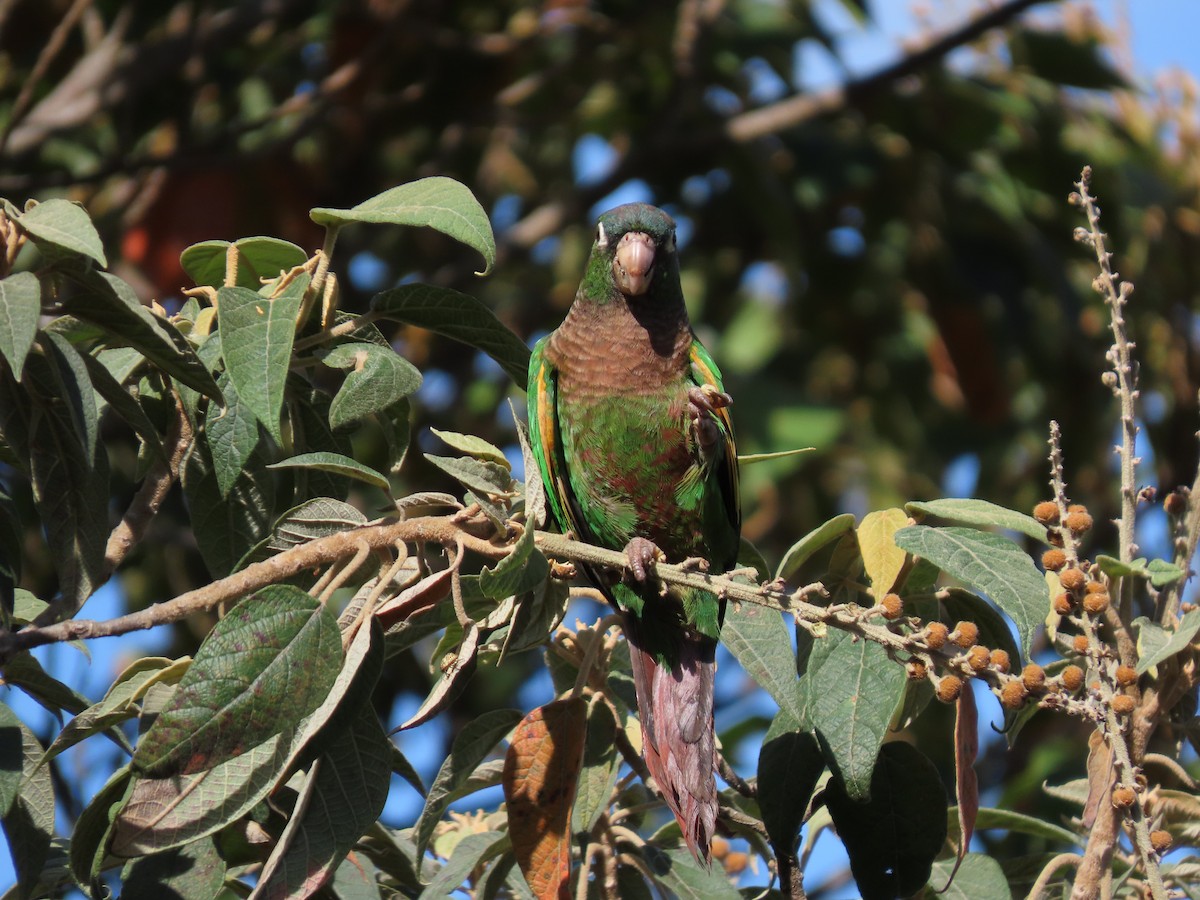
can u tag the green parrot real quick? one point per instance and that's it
(630, 427)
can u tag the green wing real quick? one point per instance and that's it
(546, 442)
(705, 371)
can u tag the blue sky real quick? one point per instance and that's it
(1161, 33)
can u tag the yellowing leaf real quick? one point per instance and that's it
(541, 772)
(882, 559)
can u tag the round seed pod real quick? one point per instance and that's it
(1053, 560)
(1126, 675)
(1123, 704)
(916, 670)
(936, 634)
(966, 634)
(949, 688)
(1078, 522)
(1034, 677)
(1096, 587)
(1013, 694)
(1072, 579)
(1176, 503)
(1161, 841)
(1064, 603)
(1080, 643)
(979, 658)
(1072, 678)
(1095, 603)
(1046, 512)
(999, 660)
(1123, 797)
(893, 606)
(1076, 508)
(735, 862)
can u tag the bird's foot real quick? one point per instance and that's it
(703, 402)
(642, 555)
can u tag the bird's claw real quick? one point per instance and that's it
(642, 555)
(703, 402)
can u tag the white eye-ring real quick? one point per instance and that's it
(601, 237)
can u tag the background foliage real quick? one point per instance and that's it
(884, 270)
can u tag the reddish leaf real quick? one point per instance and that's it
(966, 748)
(417, 598)
(541, 772)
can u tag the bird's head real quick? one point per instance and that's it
(634, 243)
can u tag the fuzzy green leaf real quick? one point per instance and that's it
(472, 745)
(471, 851)
(473, 446)
(683, 878)
(850, 690)
(819, 537)
(256, 344)
(226, 525)
(989, 563)
(233, 437)
(790, 764)
(379, 379)
(260, 671)
(762, 644)
(337, 464)
(195, 870)
(458, 316)
(439, 203)
(981, 514)
(20, 309)
(978, 877)
(258, 258)
(63, 225)
(476, 474)
(28, 819)
(1157, 644)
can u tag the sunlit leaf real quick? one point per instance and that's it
(979, 513)
(337, 464)
(20, 309)
(64, 225)
(882, 559)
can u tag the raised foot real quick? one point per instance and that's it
(642, 555)
(703, 402)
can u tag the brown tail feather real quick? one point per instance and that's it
(676, 710)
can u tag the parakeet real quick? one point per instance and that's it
(630, 426)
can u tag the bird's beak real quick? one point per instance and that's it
(633, 263)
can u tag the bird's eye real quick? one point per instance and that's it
(671, 243)
(601, 237)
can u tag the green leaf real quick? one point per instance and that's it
(120, 703)
(228, 525)
(161, 813)
(1156, 644)
(601, 766)
(473, 446)
(20, 309)
(195, 870)
(260, 671)
(471, 746)
(1163, 573)
(979, 878)
(790, 764)
(70, 485)
(682, 876)
(28, 819)
(94, 828)
(1008, 820)
(24, 671)
(991, 564)
(458, 316)
(1114, 568)
(123, 403)
(256, 343)
(232, 435)
(892, 838)
(64, 225)
(803, 549)
(109, 303)
(258, 258)
(523, 569)
(439, 203)
(850, 690)
(979, 513)
(379, 379)
(476, 474)
(338, 465)
(470, 852)
(314, 519)
(762, 644)
(342, 796)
